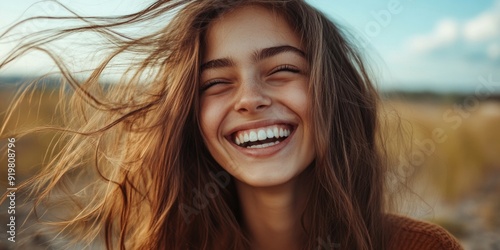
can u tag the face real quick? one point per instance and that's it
(254, 102)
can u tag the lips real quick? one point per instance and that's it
(262, 137)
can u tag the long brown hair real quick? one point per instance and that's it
(158, 187)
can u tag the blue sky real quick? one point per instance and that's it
(411, 44)
(421, 44)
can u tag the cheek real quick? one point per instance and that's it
(210, 119)
(297, 99)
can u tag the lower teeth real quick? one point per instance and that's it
(265, 145)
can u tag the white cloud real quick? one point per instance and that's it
(482, 30)
(446, 32)
(483, 27)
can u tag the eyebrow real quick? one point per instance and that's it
(257, 56)
(217, 63)
(272, 51)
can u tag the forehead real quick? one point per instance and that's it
(247, 28)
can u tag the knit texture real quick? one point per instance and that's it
(413, 234)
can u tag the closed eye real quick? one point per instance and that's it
(285, 68)
(211, 83)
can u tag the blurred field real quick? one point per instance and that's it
(37, 109)
(444, 158)
(445, 164)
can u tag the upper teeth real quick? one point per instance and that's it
(261, 134)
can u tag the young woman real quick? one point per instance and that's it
(248, 124)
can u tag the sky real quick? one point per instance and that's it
(444, 46)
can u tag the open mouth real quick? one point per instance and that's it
(262, 137)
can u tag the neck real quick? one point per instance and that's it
(272, 214)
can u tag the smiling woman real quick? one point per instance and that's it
(257, 130)
(254, 86)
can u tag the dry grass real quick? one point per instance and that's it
(446, 160)
(35, 110)
(451, 147)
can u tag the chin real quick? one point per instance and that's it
(266, 175)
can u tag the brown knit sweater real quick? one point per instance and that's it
(412, 234)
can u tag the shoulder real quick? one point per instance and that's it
(414, 234)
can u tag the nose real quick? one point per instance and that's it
(252, 97)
